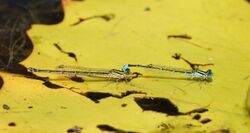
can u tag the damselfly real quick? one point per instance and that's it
(195, 74)
(112, 74)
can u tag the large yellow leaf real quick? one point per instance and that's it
(136, 33)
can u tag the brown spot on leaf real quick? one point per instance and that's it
(77, 79)
(6, 107)
(147, 9)
(157, 104)
(70, 54)
(75, 129)
(199, 110)
(205, 121)
(196, 116)
(221, 131)
(51, 85)
(12, 124)
(124, 105)
(163, 105)
(182, 36)
(96, 96)
(106, 17)
(105, 127)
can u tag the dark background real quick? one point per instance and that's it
(16, 17)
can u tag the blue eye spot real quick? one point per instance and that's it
(125, 67)
(209, 73)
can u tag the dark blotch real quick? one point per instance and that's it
(147, 9)
(106, 17)
(63, 107)
(157, 104)
(45, 80)
(105, 127)
(124, 105)
(221, 131)
(12, 124)
(77, 79)
(75, 129)
(188, 125)
(5, 106)
(166, 127)
(96, 96)
(183, 36)
(197, 117)
(30, 107)
(205, 121)
(72, 55)
(199, 110)
(20, 69)
(33, 76)
(51, 85)
(129, 92)
(58, 47)
(177, 56)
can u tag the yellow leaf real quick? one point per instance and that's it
(108, 34)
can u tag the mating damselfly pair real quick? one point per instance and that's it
(125, 73)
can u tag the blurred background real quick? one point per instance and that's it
(16, 17)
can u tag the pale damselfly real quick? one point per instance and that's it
(109, 74)
(195, 74)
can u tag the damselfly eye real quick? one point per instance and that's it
(125, 68)
(209, 73)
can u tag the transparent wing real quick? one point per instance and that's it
(93, 72)
(83, 69)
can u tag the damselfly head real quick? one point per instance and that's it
(125, 68)
(209, 73)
